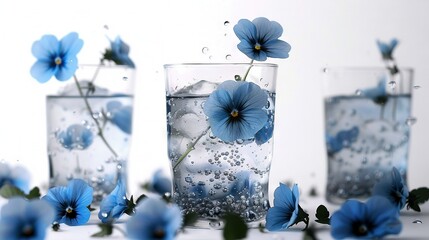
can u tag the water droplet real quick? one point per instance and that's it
(100, 168)
(392, 84)
(125, 78)
(69, 177)
(358, 92)
(119, 166)
(104, 214)
(188, 179)
(210, 57)
(205, 50)
(228, 57)
(237, 78)
(226, 23)
(411, 121)
(417, 87)
(325, 70)
(418, 221)
(106, 27)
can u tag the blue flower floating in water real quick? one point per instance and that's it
(154, 219)
(23, 219)
(77, 136)
(259, 39)
(114, 205)
(386, 49)
(120, 115)
(371, 220)
(118, 53)
(342, 140)
(286, 210)
(55, 58)
(16, 176)
(71, 202)
(392, 187)
(234, 110)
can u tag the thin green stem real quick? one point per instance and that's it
(97, 70)
(190, 148)
(248, 70)
(91, 113)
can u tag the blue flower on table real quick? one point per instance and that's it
(17, 176)
(392, 187)
(114, 205)
(120, 115)
(234, 110)
(259, 39)
(285, 211)
(342, 139)
(118, 53)
(154, 219)
(23, 219)
(77, 136)
(160, 183)
(386, 49)
(55, 58)
(374, 219)
(71, 202)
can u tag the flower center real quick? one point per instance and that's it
(58, 61)
(361, 229)
(27, 231)
(158, 233)
(258, 46)
(69, 210)
(234, 113)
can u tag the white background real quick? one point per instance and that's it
(322, 33)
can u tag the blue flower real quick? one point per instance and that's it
(120, 115)
(285, 211)
(373, 219)
(378, 91)
(114, 205)
(343, 139)
(71, 202)
(154, 219)
(386, 49)
(234, 110)
(259, 39)
(393, 188)
(17, 176)
(22, 219)
(160, 183)
(76, 136)
(119, 53)
(55, 58)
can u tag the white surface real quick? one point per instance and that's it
(322, 33)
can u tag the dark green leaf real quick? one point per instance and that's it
(9, 191)
(130, 206)
(190, 218)
(235, 227)
(416, 197)
(91, 208)
(302, 217)
(310, 234)
(106, 229)
(143, 196)
(322, 215)
(34, 193)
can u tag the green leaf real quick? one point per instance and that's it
(33, 194)
(235, 227)
(322, 215)
(302, 217)
(190, 218)
(416, 197)
(106, 229)
(143, 196)
(9, 191)
(130, 206)
(91, 208)
(310, 234)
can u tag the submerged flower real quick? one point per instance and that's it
(160, 183)
(342, 139)
(373, 219)
(235, 111)
(259, 39)
(120, 115)
(285, 211)
(17, 176)
(118, 53)
(114, 205)
(55, 58)
(71, 202)
(392, 187)
(23, 219)
(154, 219)
(76, 136)
(386, 49)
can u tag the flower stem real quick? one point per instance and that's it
(91, 112)
(190, 148)
(248, 70)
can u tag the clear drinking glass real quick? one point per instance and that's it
(212, 177)
(367, 128)
(91, 140)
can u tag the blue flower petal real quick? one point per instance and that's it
(276, 218)
(267, 30)
(42, 71)
(70, 45)
(45, 48)
(277, 49)
(245, 30)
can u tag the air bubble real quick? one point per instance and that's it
(100, 168)
(358, 92)
(205, 50)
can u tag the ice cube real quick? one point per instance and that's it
(202, 87)
(190, 125)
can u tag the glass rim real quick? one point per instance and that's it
(360, 68)
(170, 65)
